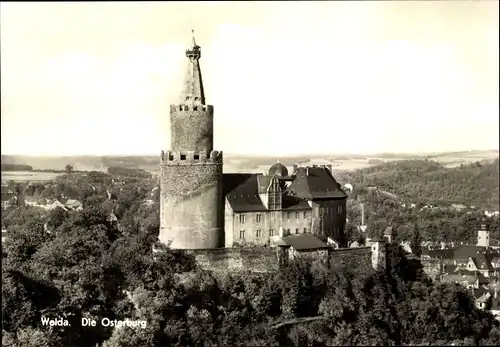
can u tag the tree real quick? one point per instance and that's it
(416, 243)
(69, 168)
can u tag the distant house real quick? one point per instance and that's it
(348, 187)
(458, 206)
(491, 213)
(406, 246)
(354, 244)
(471, 258)
(482, 297)
(73, 205)
(112, 218)
(302, 246)
(52, 204)
(362, 228)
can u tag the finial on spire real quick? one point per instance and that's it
(194, 41)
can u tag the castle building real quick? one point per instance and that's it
(202, 208)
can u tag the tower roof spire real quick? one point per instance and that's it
(194, 40)
(193, 93)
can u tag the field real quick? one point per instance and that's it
(235, 162)
(355, 162)
(24, 176)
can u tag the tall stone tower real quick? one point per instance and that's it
(191, 171)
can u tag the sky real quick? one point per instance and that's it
(285, 78)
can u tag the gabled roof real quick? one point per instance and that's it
(304, 242)
(481, 294)
(315, 183)
(241, 192)
(471, 279)
(71, 202)
(481, 262)
(449, 269)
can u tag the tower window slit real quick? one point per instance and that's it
(183, 157)
(196, 156)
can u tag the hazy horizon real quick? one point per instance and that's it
(285, 79)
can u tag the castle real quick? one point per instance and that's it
(203, 209)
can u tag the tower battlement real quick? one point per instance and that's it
(190, 108)
(191, 157)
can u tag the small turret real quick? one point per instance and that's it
(378, 248)
(483, 236)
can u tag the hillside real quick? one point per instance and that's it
(249, 163)
(429, 181)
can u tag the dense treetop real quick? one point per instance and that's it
(427, 181)
(83, 264)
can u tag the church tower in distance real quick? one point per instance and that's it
(191, 171)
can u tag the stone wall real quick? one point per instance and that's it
(224, 260)
(191, 201)
(359, 258)
(265, 259)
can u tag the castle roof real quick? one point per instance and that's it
(304, 242)
(242, 190)
(242, 193)
(315, 183)
(193, 92)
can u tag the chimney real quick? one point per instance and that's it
(362, 214)
(295, 167)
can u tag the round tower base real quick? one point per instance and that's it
(191, 238)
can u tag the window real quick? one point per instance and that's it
(242, 219)
(288, 215)
(305, 215)
(258, 218)
(242, 234)
(305, 230)
(297, 230)
(339, 209)
(297, 215)
(288, 230)
(271, 232)
(258, 233)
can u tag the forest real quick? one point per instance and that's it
(87, 266)
(74, 265)
(427, 181)
(16, 167)
(433, 225)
